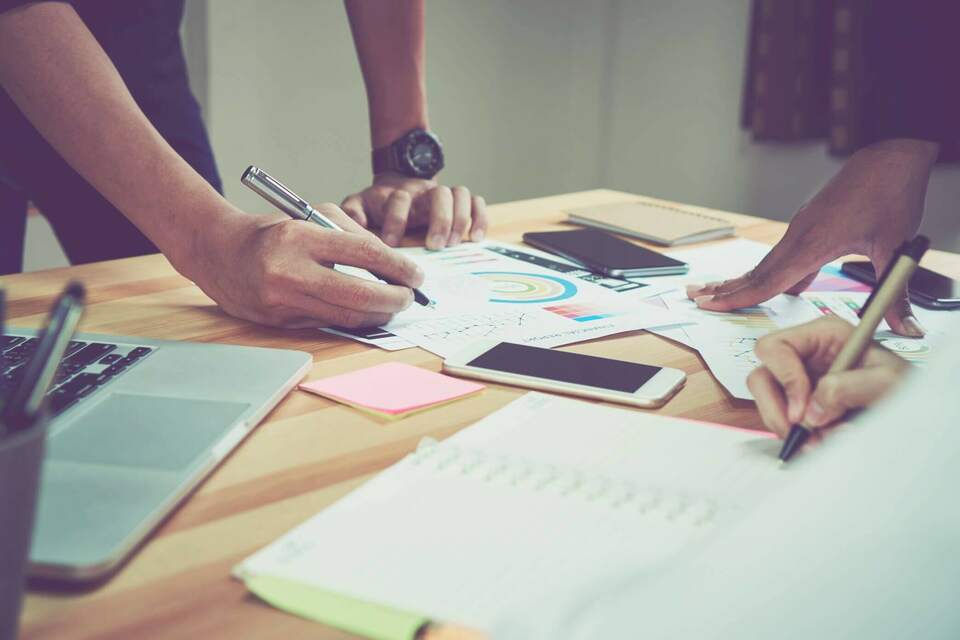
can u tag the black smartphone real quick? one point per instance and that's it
(605, 253)
(927, 288)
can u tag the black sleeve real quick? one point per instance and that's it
(912, 51)
(6, 5)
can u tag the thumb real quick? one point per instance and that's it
(900, 315)
(837, 393)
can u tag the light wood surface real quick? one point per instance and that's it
(308, 453)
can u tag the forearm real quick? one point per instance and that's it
(61, 79)
(389, 37)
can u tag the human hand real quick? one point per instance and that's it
(870, 207)
(395, 203)
(793, 387)
(279, 271)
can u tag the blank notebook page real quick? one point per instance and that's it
(544, 492)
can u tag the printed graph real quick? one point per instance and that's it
(833, 304)
(579, 312)
(752, 317)
(741, 351)
(514, 287)
(831, 278)
(458, 256)
(481, 325)
(913, 350)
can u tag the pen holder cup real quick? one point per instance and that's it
(21, 456)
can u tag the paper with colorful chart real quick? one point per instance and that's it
(726, 340)
(478, 291)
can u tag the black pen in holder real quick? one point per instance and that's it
(21, 458)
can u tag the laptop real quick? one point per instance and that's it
(137, 425)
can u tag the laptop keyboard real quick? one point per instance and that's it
(86, 367)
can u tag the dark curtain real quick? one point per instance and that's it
(854, 72)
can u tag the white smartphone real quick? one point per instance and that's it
(574, 374)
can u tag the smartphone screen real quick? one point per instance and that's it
(598, 248)
(923, 281)
(591, 371)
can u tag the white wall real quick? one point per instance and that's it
(531, 97)
(514, 93)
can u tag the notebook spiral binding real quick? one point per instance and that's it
(549, 479)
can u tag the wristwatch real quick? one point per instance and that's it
(417, 153)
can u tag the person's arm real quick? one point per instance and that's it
(390, 43)
(792, 384)
(264, 268)
(873, 204)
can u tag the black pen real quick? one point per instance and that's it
(25, 402)
(280, 196)
(889, 288)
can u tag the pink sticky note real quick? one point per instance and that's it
(392, 388)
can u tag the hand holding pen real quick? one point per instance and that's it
(283, 198)
(811, 375)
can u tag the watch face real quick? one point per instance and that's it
(423, 154)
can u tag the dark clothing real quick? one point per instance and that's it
(854, 72)
(142, 38)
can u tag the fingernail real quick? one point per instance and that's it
(911, 327)
(435, 241)
(390, 239)
(694, 289)
(814, 415)
(455, 240)
(702, 300)
(478, 235)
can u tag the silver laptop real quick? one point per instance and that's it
(138, 424)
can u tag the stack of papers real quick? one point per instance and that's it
(496, 291)
(726, 340)
(513, 293)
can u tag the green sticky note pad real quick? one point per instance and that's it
(367, 619)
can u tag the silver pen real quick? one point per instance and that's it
(280, 196)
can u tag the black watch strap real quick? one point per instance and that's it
(385, 159)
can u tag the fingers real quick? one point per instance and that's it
(461, 215)
(307, 311)
(793, 355)
(478, 230)
(396, 215)
(837, 393)
(900, 315)
(786, 367)
(801, 286)
(780, 270)
(342, 220)
(349, 292)
(437, 206)
(367, 252)
(771, 403)
(353, 207)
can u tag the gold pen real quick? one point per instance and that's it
(890, 287)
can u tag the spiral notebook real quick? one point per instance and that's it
(546, 491)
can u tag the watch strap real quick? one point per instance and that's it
(385, 159)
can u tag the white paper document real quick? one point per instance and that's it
(545, 492)
(480, 292)
(725, 340)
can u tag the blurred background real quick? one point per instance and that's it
(530, 98)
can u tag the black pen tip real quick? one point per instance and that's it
(420, 298)
(794, 442)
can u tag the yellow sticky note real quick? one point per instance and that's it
(370, 620)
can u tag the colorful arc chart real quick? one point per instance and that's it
(515, 287)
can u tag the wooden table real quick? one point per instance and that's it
(308, 453)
